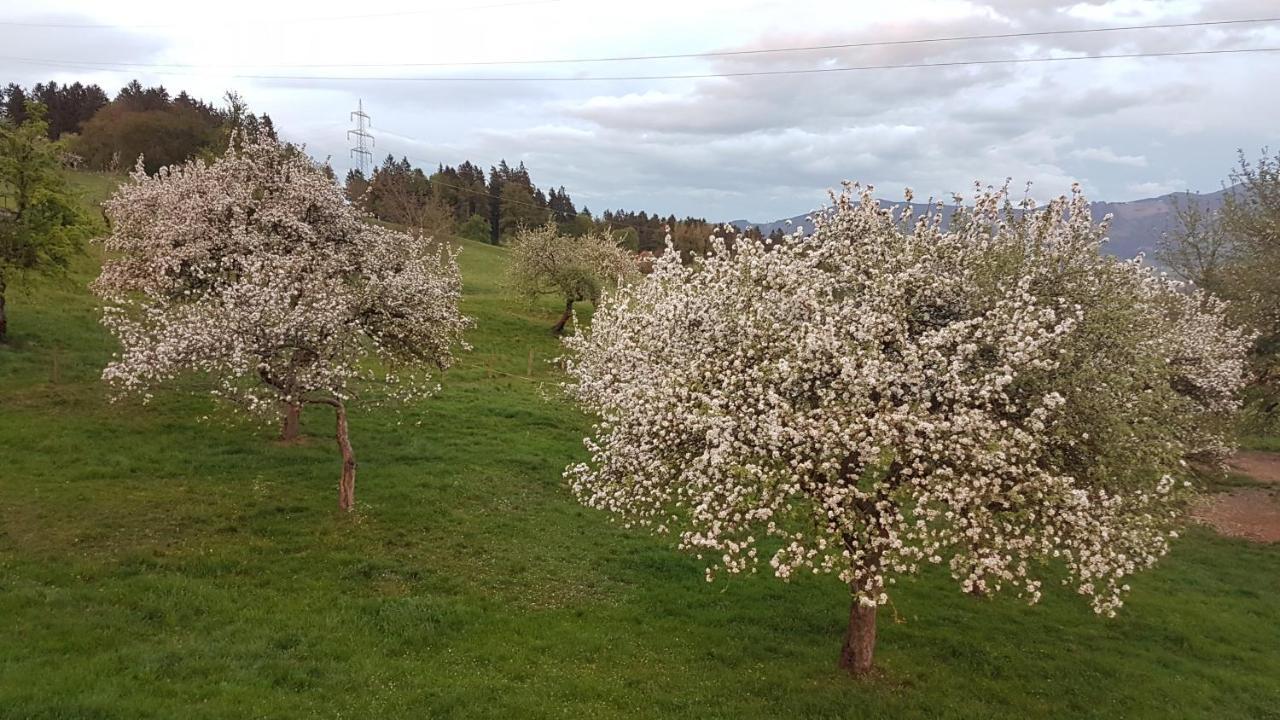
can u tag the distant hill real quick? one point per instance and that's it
(1136, 226)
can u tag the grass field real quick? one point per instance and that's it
(152, 565)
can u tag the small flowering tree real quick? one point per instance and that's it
(254, 271)
(41, 228)
(576, 269)
(882, 394)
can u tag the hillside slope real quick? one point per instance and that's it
(153, 565)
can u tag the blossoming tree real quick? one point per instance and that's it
(253, 271)
(576, 269)
(881, 394)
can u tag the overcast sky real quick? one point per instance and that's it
(758, 148)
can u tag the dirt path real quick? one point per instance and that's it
(1263, 467)
(1250, 513)
(1253, 512)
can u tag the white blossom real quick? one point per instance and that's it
(253, 271)
(882, 394)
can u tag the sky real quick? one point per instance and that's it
(745, 147)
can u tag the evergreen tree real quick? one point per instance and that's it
(519, 210)
(497, 177)
(15, 104)
(139, 99)
(68, 107)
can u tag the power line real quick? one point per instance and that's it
(717, 53)
(292, 20)
(688, 76)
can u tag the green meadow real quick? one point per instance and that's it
(158, 564)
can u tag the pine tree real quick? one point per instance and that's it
(15, 104)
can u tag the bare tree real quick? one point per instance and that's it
(1198, 249)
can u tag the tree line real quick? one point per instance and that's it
(109, 134)
(104, 133)
(463, 201)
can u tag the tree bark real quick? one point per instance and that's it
(347, 486)
(4, 317)
(568, 313)
(859, 640)
(291, 428)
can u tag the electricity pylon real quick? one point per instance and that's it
(363, 139)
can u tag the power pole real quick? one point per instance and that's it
(363, 139)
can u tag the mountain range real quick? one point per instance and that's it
(1136, 225)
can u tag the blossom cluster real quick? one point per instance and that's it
(254, 270)
(882, 393)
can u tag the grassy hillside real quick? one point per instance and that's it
(154, 565)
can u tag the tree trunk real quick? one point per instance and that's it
(568, 313)
(859, 640)
(4, 318)
(291, 428)
(347, 487)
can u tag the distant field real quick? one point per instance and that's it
(152, 565)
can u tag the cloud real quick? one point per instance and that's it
(1156, 188)
(33, 54)
(1107, 155)
(1030, 122)
(757, 147)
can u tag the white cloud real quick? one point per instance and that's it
(1155, 188)
(1107, 155)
